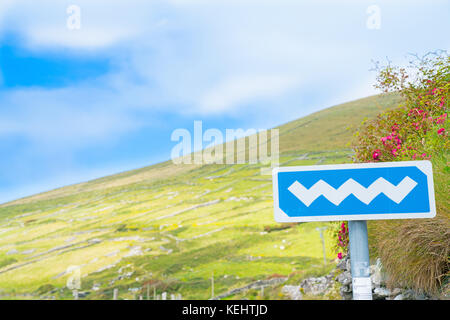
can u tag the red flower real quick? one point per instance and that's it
(376, 154)
(394, 151)
(441, 131)
(339, 256)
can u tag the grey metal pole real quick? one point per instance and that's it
(359, 258)
(323, 247)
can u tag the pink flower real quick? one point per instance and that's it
(413, 110)
(339, 255)
(441, 131)
(376, 154)
(441, 119)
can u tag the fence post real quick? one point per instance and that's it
(323, 245)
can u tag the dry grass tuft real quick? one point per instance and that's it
(415, 253)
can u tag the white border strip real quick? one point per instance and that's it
(424, 166)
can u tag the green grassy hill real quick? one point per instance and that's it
(173, 226)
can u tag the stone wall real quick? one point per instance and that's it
(341, 276)
(379, 289)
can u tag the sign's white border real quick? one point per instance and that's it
(424, 166)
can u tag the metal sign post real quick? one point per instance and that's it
(355, 193)
(359, 259)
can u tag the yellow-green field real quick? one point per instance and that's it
(174, 226)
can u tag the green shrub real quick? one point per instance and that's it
(414, 252)
(45, 289)
(279, 227)
(8, 261)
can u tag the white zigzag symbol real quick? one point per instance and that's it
(365, 195)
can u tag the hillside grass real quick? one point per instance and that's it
(172, 227)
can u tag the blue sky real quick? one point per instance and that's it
(80, 104)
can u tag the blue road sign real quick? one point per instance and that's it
(388, 190)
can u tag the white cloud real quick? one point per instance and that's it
(191, 57)
(104, 23)
(67, 118)
(244, 89)
(85, 38)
